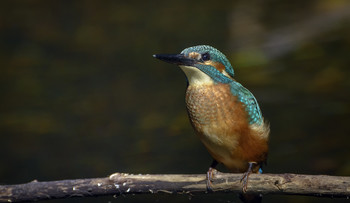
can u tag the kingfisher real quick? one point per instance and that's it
(225, 115)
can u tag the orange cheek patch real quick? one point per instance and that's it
(219, 66)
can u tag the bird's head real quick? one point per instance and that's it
(202, 65)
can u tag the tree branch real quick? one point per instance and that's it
(122, 183)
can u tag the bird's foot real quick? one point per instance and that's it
(244, 179)
(210, 176)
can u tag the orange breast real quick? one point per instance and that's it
(221, 123)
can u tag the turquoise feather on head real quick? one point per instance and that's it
(215, 56)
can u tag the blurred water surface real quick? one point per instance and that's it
(83, 97)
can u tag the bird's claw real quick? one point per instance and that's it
(210, 176)
(244, 181)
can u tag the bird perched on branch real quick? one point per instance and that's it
(224, 114)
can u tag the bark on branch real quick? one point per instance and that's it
(122, 183)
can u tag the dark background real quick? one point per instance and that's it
(82, 96)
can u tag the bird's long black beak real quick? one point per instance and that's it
(178, 59)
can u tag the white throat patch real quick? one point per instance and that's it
(196, 76)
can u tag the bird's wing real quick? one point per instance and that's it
(248, 99)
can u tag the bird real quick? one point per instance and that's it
(225, 115)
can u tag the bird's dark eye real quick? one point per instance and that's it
(205, 57)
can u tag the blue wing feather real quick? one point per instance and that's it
(248, 99)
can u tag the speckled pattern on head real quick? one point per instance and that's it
(215, 54)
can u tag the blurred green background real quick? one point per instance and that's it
(82, 96)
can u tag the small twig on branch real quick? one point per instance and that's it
(122, 183)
